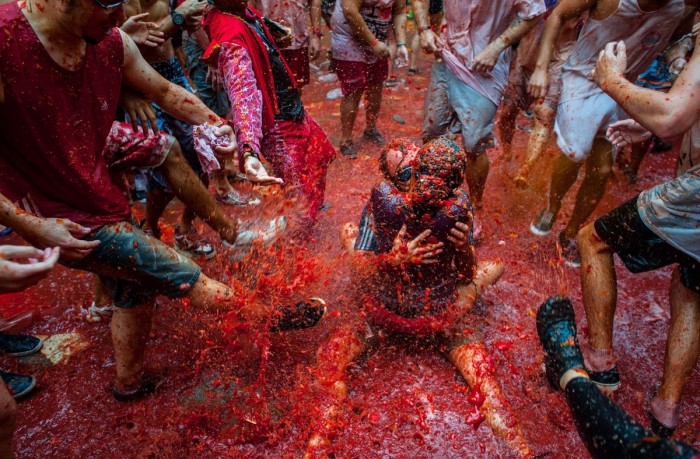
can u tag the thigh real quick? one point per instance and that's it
(476, 115)
(437, 113)
(136, 267)
(579, 122)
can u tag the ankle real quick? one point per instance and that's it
(129, 383)
(571, 374)
(667, 413)
(598, 359)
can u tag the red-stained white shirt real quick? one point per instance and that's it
(473, 24)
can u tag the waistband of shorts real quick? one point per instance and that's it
(169, 69)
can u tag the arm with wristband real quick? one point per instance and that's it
(351, 11)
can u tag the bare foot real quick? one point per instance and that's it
(348, 234)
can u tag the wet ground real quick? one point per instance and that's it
(406, 400)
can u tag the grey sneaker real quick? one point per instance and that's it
(569, 252)
(542, 225)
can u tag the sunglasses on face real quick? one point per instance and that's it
(110, 5)
(404, 174)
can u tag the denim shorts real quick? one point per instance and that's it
(135, 268)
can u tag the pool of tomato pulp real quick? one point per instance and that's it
(221, 396)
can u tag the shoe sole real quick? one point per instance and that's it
(29, 352)
(538, 232)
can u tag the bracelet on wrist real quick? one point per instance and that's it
(317, 32)
(423, 29)
(401, 43)
(374, 43)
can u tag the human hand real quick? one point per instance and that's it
(255, 172)
(314, 47)
(381, 49)
(214, 79)
(15, 276)
(459, 236)
(57, 232)
(230, 145)
(140, 111)
(193, 11)
(537, 87)
(401, 57)
(429, 41)
(626, 132)
(612, 63)
(414, 251)
(677, 66)
(487, 58)
(142, 32)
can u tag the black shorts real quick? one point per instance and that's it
(639, 248)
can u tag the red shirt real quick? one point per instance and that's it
(54, 124)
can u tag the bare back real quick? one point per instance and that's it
(157, 11)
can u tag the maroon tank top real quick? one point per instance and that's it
(54, 124)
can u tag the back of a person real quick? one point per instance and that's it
(55, 123)
(645, 35)
(424, 289)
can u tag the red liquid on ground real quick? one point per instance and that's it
(221, 398)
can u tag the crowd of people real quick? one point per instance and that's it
(104, 103)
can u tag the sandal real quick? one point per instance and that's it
(96, 313)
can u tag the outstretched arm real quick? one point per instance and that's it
(46, 232)
(487, 57)
(565, 10)
(666, 115)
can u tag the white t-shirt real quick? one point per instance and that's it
(473, 24)
(645, 35)
(377, 14)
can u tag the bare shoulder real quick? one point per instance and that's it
(156, 9)
(603, 9)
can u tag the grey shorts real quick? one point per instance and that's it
(452, 107)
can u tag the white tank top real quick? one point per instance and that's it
(645, 35)
(377, 14)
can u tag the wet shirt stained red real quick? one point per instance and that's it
(54, 124)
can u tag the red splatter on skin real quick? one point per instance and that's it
(212, 402)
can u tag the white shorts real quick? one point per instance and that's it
(580, 121)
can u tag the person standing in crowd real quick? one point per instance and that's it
(361, 56)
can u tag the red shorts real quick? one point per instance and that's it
(298, 62)
(128, 149)
(358, 76)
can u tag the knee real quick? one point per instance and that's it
(544, 115)
(589, 241)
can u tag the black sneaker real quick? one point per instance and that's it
(569, 251)
(556, 327)
(300, 316)
(148, 385)
(347, 149)
(19, 345)
(19, 385)
(542, 225)
(374, 136)
(607, 380)
(659, 429)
